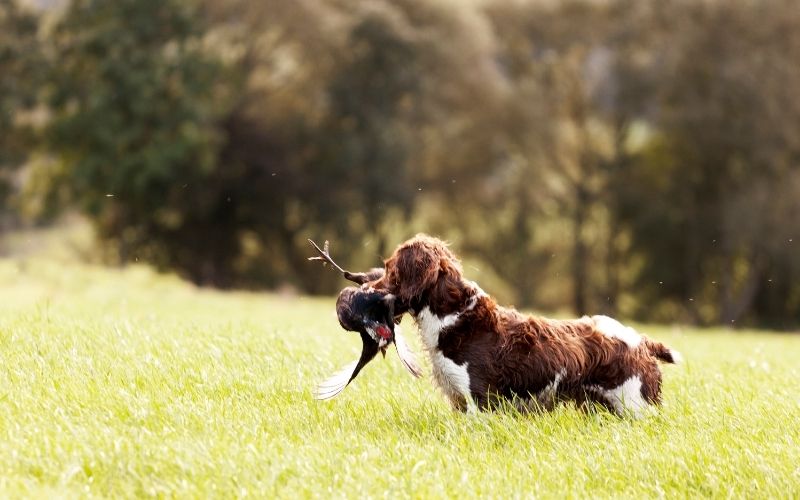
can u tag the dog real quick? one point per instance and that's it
(483, 354)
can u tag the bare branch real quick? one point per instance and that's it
(325, 257)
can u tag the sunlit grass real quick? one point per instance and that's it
(125, 383)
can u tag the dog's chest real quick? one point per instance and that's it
(431, 326)
(453, 379)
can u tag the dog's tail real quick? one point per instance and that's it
(663, 352)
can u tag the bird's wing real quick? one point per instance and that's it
(407, 356)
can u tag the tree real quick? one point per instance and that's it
(601, 155)
(21, 76)
(135, 124)
(728, 128)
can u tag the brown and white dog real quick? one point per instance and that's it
(482, 353)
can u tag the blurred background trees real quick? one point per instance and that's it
(21, 73)
(633, 157)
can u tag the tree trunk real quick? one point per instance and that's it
(579, 275)
(612, 268)
(734, 304)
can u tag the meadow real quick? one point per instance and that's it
(120, 383)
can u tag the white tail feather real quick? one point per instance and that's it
(332, 386)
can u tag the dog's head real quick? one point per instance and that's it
(422, 272)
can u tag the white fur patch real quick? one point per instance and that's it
(677, 358)
(614, 329)
(430, 325)
(626, 397)
(452, 379)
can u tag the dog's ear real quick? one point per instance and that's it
(449, 289)
(412, 271)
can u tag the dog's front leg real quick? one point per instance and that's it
(464, 403)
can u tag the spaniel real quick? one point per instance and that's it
(482, 353)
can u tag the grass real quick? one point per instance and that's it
(127, 383)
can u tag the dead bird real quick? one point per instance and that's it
(371, 314)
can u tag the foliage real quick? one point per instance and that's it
(725, 136)
(135, 119)
(20, 76)
(628, 157)
(128, 383)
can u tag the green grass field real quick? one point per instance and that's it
(127, 383)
